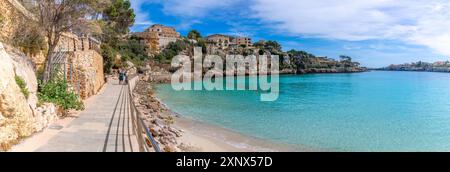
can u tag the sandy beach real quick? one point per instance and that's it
(209, 138)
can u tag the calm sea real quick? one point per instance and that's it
(373, 111)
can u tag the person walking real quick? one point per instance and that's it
(121, 77)
(125, 77)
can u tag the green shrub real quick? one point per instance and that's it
(172, 49)
(23, 86)
(109, 55)
(57, 92)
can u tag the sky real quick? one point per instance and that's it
(376, 33)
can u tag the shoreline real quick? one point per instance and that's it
(198, 136)
(210, 138)
(205, 137)
(420, 71)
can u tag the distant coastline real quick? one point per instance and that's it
(442, 66)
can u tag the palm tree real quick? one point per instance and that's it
(194, 34)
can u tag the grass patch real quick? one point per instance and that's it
(23, 86)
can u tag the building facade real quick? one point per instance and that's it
(220, 41)
(226, 42)
(243, 41)
(157, 37)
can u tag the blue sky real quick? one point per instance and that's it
(375, 32)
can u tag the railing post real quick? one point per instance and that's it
(65, 71)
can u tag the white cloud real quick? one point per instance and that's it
(142, 16)
(417, 22)
(351, 47)
(421, 22)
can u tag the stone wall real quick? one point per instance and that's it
(85, 72)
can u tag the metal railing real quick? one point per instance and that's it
(139, 126)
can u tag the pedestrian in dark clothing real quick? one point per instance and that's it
(125, 77)
(121, 77)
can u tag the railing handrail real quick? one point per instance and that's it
(139, 124)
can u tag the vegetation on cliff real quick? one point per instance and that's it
(443, 66)
(293, 61)
(304, 62)
(23, 86)
(173, 49)
(118, 17)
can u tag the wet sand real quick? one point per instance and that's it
(209, 138)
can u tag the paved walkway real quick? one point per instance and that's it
(105, 126)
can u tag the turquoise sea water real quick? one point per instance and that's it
(373, 111)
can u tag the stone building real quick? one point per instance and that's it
(242, 41)
(218, 40)
(157, 37)
(225, 42)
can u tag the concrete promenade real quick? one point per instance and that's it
(104, 126)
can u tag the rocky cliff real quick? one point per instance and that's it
(12, 14)
(19, 115)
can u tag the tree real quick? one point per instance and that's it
(259, 44)
(194, 34)
(133, 50)
(273, 46)
(119, 16)
(346, 60)
(57, 17)
(29, 38)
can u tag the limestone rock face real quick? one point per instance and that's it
(19, 116)
(15, 113)
(23, 67)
